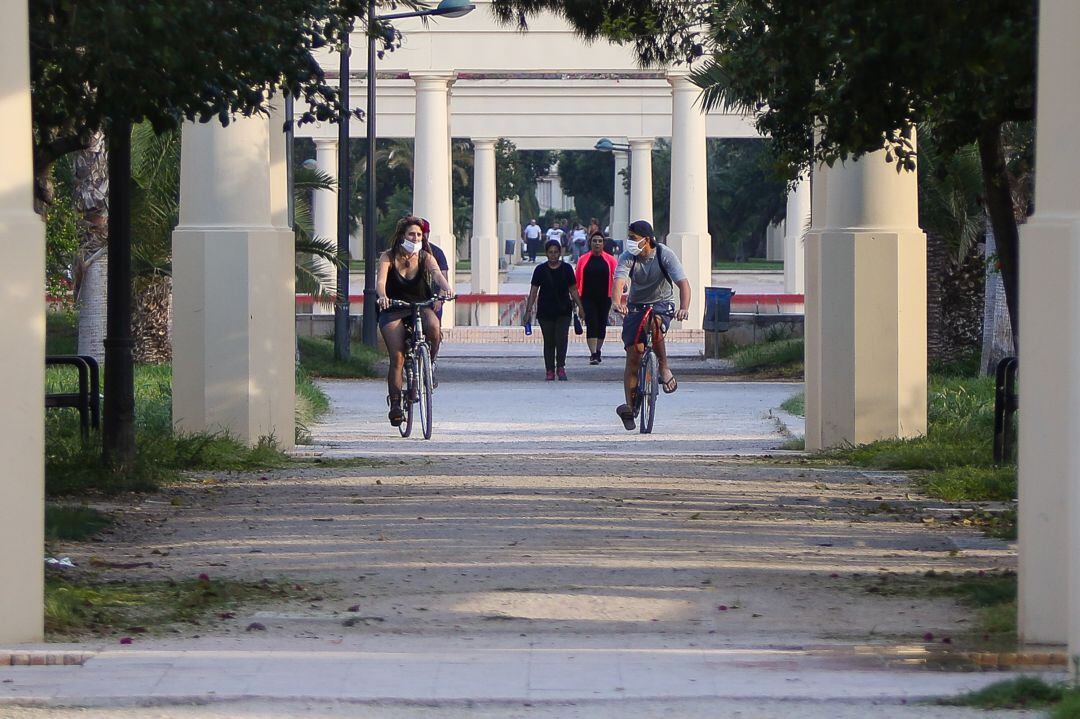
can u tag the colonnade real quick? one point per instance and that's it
(864, 274)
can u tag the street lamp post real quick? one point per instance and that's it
(605, 144)
(446, 8)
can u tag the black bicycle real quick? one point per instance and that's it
(648, 386)
(419, 377)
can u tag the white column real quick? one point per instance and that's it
(796, 223)
(233, 283)
(431, 166)
(324, 214)
(866, 308)
(641, 192)
(620, 210)
(22, 363)
(1049, 458)
(485, 240)
(689, 217)
(510, 227)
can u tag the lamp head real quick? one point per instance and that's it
(310, 164)
(604, 144)
(454, 8)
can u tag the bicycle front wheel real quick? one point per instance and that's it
(648, 387)
(424, 388)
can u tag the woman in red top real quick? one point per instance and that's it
(594, 278)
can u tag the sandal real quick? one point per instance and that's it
(396, 414)
(626, 414)
(670, 384)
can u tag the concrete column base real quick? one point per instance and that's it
(1049, 456)
(866, 332)
(695, 252)
(22, 423)
(234, 332)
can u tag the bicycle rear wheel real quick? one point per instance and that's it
(424, 388)
(648, 388)
(408, 397)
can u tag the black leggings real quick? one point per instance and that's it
(556, 333)
(596, 316)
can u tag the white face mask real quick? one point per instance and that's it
(411, 247)
(633, 247)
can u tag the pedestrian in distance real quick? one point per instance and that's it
(579, 242)
(652, 271)
(532, 234)
(554, 295)
(553, 233)
(595, 276)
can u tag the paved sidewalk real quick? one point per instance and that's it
(535, 560)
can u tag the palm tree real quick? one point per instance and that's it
(90, 268)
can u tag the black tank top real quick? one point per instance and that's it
(414, 290)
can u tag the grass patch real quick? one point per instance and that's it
(61, 333)
(75, 608)
(73, 522)
(74, 466)
(795, 443)
(311, 403)
(778, 358)
(795, 404)
(340, 462)
(317, 359)
(960, 432)
(957, 484)
(1019, 693)
(730, 265)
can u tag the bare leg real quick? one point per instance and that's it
(630, 374)
(394, 337)
(432, 330)
(661, 352)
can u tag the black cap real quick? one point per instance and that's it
(641, 228)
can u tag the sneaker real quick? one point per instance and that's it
(594, 359)
(550, 375)
(562, 374)
(599, 359)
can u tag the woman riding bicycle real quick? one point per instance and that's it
(407, 272)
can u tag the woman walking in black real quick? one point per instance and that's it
(554, 295)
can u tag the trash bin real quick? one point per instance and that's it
(510, 244)
(717, 309)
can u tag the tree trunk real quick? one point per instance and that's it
(935, 267)
(91, 262)
(997, 340)
(118, 408)
(152, 320)
(999, 204)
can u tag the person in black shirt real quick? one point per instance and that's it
(594, 279)
(554, 294)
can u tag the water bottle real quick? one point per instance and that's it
(528, 327)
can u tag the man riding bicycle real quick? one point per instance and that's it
(652, 271)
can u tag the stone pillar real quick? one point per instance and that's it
(774, 241)
(641, 193)
(1049, 458)
(324, 215)
(485, 241)
(620, 211)
(796, 224)
(22, 363)
(689, 232)
(233, 284)
(431, 166)
(866, 308)
(510, 228)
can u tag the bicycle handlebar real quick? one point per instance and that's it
(427, 303)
